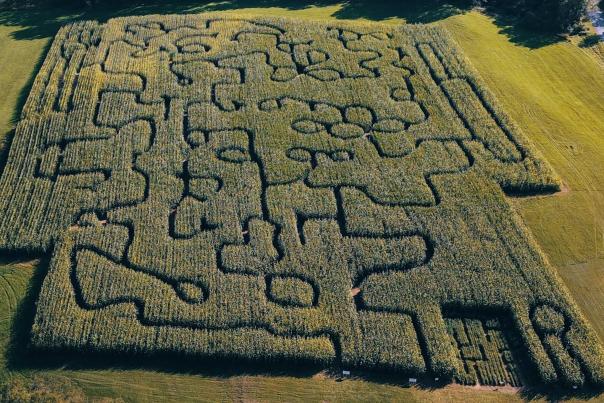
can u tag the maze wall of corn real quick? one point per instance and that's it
(263, 189)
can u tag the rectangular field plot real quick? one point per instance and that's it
(271, 190)
(487, 354)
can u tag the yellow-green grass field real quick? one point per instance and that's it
(553, 90)
(555, 94)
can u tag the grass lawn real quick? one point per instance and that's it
(554, 92)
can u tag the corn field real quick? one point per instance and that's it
(268, 190)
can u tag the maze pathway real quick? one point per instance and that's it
(272, 190)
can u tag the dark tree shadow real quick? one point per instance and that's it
(412, 11)
(518, 33)
(43, 21)
(590, 40)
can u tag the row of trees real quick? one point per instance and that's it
(547, 15)
(551, 15)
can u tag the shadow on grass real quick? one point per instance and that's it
(517, 32)
(43, 21)
(590, 40)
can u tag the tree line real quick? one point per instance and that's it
(542, 15)
(548, 15)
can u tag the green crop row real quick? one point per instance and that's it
(263, 189)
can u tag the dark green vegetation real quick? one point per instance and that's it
(269, 190)
(538, 15)
(552, 15)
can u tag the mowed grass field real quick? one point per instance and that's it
(553, 92)
(555, 95)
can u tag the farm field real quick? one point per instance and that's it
(478, 172)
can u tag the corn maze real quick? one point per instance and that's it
(266, 190)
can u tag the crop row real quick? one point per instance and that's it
(265, 190)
